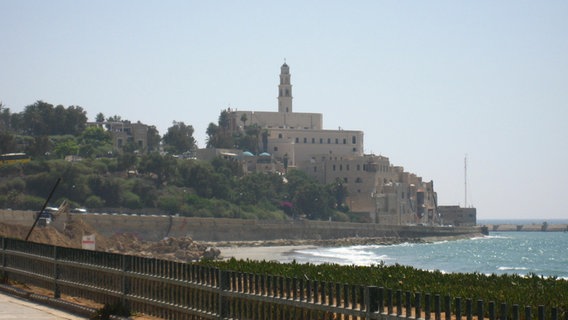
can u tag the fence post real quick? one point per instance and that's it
(125, 280)
(503, 311)
(4, 274)
(480, 314)
(541, 312)
(398, 302)
(56, 271)
(528, 313)
(427, 307)
(448, 307)
(408, 305)
(338, 295)
(491, 310)
(516, 313)
(417, 305)
(437, 307)
(371, 300)
(381, 299)
(554, 314)
(458, 308)
(468, 309)
(224, 285)
(389, 302)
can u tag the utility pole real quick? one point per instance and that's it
(465, 179)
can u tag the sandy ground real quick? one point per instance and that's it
(260, 253)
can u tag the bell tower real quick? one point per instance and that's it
(285, 90)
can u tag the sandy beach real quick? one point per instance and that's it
(276, 249)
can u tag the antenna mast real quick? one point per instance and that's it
(465, 179)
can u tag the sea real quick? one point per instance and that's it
(523, 253)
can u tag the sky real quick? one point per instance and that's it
(431, 83)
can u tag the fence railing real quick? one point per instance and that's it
(175, 290)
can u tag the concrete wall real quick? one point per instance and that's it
(207, 229)
(153, 228)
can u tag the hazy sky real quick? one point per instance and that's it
(427, 81)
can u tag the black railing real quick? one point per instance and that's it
(175, 290)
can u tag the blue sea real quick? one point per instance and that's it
(542, 253)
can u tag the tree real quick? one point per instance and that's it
(339, 192)
(40, 147)
(100, 117)
(224, 120)
(114, 118)
(94, 141)
(7, 142)
(153, 139)
(4, 118)
(163, 167)
(219, 135)
(179, 138)
(211, 132)
(41, 118)
(75, 120)
(66, 147)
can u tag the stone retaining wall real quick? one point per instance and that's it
(153, 228)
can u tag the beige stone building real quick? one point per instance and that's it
(458, 216)
(378, 191)
(125, 132)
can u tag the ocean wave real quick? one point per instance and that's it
(489, 237)
(512, 268)
(343, 255)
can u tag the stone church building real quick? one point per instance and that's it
(378, 191)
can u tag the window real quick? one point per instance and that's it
(336, 141)
(313, 140)
(328, 140)
(315, 169)
(340, 167)
(358, 180)
(344, 141)
(305, 140)
(358, 167)
(345, 179)
(279, 136)
(347, 167)
(275, 148)
(333, 167)
(321, 140)
(354, 149)
(297, 140)
(353, 140)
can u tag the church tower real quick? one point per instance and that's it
(285, 90)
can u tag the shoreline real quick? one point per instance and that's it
(275, 250)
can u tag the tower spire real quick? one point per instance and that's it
(285, 90)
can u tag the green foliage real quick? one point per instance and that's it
(179, 138)
(95, 141)
(94, 202)
(66, 148)
(187, 187)
(531, 290)
(131, 200)
(42, 118)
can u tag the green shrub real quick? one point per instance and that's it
(94, 202)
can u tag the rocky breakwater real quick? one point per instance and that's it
(176, 249)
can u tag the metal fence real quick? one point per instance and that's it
(175, 290)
